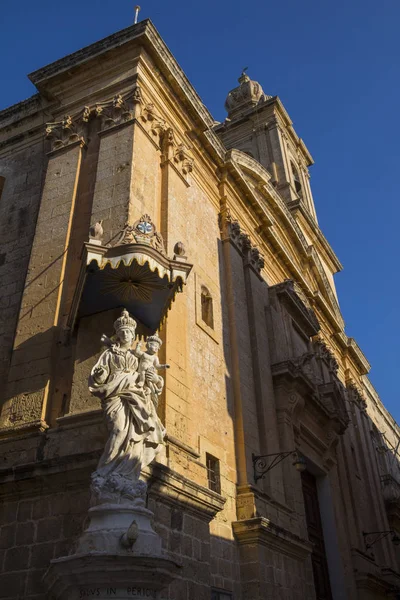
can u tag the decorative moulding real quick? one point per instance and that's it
(179, 491)
(264, 532)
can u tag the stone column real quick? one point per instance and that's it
(241, 368)
(29, 379)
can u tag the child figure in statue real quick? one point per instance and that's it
(148, 360)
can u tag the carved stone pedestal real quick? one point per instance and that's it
(105, 576)
(118, 556)
(115, 527)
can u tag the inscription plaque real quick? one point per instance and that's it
(140, 593)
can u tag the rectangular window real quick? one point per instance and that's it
(355, 462)
(214, 481)
(221, 595)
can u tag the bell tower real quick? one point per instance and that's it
(259, 125)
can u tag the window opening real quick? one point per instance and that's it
(2, 182)
(213, 476)
(221, 595)
(296, 179)
(207, 307)
(355, 461)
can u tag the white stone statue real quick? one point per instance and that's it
(148, 360)
(129, 397)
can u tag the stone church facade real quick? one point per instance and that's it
(279, 477)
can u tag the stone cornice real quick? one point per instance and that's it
(374, 397)
(371, 577)
(177, 490)
(297, 205)
(42, 75)
(289, 127)
(329, 306)
(234, 159)
(29, 478)
(146, 32)
(25, 108)
(263, 531)
(358, 356)
(320, 272)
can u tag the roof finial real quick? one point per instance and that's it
(137, 9)
(244, 77)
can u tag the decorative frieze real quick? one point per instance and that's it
(120, 110)
(71, 129)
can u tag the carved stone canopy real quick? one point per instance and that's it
(135, 273)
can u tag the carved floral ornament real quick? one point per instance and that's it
(117, 111)
(231, 229)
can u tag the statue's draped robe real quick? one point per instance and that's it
(135, 431)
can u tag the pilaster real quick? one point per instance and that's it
(32, 362)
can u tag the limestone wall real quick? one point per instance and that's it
(273, 373)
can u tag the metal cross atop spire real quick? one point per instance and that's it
(137, 9)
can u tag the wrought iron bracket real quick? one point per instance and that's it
(261, 464)
(380, 535)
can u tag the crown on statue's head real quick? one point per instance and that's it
(154, 338)
(125, 321)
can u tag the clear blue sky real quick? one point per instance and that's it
(335, 66)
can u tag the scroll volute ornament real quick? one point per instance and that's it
(326, 354)
(65, 132)
(156, 123)
(230, 229)
(182, 158)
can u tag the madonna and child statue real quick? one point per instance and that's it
(119, 550)
(128, 385)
